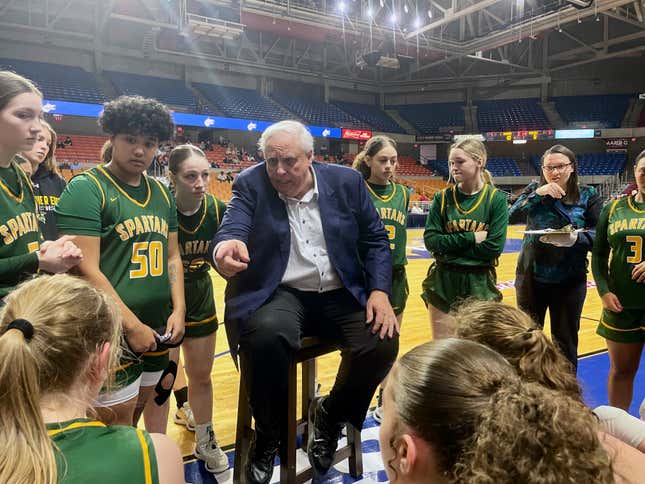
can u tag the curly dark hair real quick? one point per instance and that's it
(137, 115)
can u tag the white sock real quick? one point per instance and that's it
(203, 432)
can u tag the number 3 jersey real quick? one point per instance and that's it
(133, 224)
(621, 230)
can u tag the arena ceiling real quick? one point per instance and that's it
(434, 42)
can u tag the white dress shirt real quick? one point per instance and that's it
(309, 267)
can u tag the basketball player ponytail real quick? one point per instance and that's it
(485, 425)
(51, 330)
(360, 165)
(488, 177)
(513, 334)
(28, 456)
(528, 433)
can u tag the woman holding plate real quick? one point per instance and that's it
(551, 273)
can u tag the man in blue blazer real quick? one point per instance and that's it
(304, 252)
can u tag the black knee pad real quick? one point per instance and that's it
(164, 393)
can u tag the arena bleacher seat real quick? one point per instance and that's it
(409, 167)
(242, 103)
(169, 91)
(439, 166)
(511, 115)
(503, 166)
(371, 115)
(498, 166)
(318, 113)
(433, 118)
(65, 83)
(605, 111)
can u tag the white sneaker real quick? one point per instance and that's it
(184, 416)
(378, 411)
(209, 452)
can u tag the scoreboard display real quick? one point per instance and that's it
(533, 135)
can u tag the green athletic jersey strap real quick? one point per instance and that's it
(195, 234)
(19, 232)
(391, 202)
(133, 224)
(89, 451)
(621, 232)
(453, 219)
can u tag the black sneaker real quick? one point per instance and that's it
(323, 437)
(259, 465)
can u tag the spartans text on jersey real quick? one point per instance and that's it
(627, 224)
(388, 213)
(142, 224)
(16, 227)
(465, 225)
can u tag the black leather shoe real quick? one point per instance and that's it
(323, 437)
(259, 466)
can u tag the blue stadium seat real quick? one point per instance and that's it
(168, 91)
(430, 118)
(371, 115)
(243, 103)
(319, 113)
(605, 111)
(511, 115)
(65, 83)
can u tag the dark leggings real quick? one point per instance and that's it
(564, 302)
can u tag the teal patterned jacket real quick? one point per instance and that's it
(545, 262)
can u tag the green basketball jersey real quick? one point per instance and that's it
(454, 217)
(195, 234)
(133, 224)
(19, 232)
(391, 202)
(621, 229)
(89, 451)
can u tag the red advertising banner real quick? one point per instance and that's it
(359, 134)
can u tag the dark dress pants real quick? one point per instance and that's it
(271, 336)
(564, 302)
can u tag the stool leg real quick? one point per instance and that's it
(242, 434)
(356, 457)
(308, 394)
(288, 448)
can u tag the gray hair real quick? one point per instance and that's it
(292, 127)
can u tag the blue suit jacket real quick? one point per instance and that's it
(357, 242)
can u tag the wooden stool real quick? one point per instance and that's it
(311, 349)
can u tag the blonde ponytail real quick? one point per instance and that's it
(71, 322)
(488, 177)
(28, 455)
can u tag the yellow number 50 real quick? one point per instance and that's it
(149, 259)
(636, 249)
